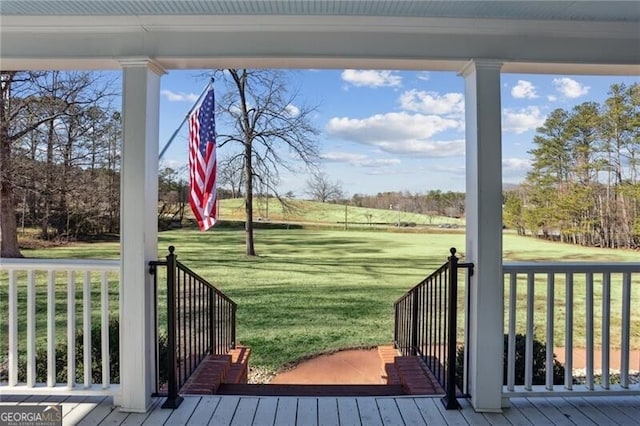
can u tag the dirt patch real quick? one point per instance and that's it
(580, 358)
(348, 367)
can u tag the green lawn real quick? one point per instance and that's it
(327, 213)
(316, 290)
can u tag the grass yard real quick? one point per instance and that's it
(327, 213)
(318, 290)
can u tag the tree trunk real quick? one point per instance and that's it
(48, 184)
(8, 228)
(248, 201)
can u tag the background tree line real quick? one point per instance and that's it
(60, 147)
(433, 202)
(583, 187)
(59, 155)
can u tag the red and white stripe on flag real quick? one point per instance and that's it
(202, 162)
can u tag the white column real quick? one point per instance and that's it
(138, 229)
(484, 232)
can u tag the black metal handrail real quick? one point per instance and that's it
(426, 324)
(201, 320)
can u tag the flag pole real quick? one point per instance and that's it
(186, 117)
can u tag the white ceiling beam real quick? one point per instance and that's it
(100, 42)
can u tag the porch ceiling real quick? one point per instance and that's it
(541, 36)
(546, 10)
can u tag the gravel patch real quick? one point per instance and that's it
(580, 376)
(260, 376)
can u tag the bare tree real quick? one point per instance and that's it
(272, 130)
(231, 173)
(40, 112)
(320, 188)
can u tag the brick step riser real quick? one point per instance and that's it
(216, 370)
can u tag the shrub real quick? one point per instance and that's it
(62, 354)
(539, 363)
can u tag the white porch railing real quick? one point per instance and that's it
(576, 308)
(40, 309)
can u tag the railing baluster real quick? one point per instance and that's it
(589, 331)
(31, 329)
(528, 364)
(414, 324)
(211, 317)
(13, 329)
(423, 322)
(51, 329)
(444, 313)
(200, 321)
(86, 325)
(432, 322)
(511, 351)
(625, 332)
(153, 270)
(234, 311)
(606, 317)
(71, 329)
(568, 333)
(188, 335)
(467, 307)
(439, 328)
(549, 331)
(104, 331)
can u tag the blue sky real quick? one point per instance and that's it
(397, 130)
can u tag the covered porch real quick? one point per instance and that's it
(145, 43)
(248, 410)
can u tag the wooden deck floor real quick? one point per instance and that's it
(236, 410)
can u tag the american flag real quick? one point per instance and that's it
(202, 162)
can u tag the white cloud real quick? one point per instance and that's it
(425, 148)
(401, 133)
(358, 159)
(516, 163)
(292, 110)
(423, 75)
(432, 103)
(522, 120)
(524, 90)
(179, 96)
(515, 169)
(552, 98)
(372, 78)
(570, 88)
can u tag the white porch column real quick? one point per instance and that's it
(484, 232)
(138, 229)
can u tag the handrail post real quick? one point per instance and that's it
(173, 399)
(449, 400)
